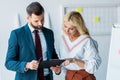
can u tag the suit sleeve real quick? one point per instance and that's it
(54, 56)
(12, 58)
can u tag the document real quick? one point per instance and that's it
(52, 62)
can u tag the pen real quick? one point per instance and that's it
(39, 60)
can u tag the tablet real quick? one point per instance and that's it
(50, 63)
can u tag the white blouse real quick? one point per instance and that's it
(83, 48)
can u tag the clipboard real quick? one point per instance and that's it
(52, 62)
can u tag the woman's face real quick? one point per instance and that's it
(69, 29)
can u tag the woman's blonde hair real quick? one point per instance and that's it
(77, 20)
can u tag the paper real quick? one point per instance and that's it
(96, 19)
(79, 9)
(52, 62)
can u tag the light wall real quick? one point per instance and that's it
(9, 10)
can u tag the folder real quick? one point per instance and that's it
(50, 63)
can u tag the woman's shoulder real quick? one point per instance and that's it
(88, 38)
(91, 42)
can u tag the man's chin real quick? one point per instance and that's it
(37, 27)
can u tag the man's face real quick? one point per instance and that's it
(36, 21)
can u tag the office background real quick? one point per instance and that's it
(13, 15)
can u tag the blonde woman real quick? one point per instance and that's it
(78, 48)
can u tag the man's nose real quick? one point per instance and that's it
(39, 23)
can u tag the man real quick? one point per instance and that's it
(22, 55)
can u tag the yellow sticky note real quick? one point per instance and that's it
(79, 9)
(96, 19)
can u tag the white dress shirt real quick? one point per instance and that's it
(43, 44)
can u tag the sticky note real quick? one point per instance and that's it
(96, 19)
(79, 9)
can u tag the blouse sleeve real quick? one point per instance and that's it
(91, 56)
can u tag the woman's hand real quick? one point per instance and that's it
(74, 60)
(68, 61)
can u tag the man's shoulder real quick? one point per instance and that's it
(46, 29)
(20, 29)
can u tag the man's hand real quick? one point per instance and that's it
(33, 65)
(56, 69)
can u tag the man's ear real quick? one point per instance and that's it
(28, 17)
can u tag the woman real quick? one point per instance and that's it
(78, 48)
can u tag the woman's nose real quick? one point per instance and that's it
(67, 30)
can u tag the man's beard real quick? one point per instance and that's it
(36, 27)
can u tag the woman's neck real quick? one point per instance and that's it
(74, 37)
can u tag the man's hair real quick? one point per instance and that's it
(34, 8)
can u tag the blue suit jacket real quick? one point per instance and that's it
(21, 50)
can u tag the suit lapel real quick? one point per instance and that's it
(29, 39)
(46, 36)
(47, 39)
